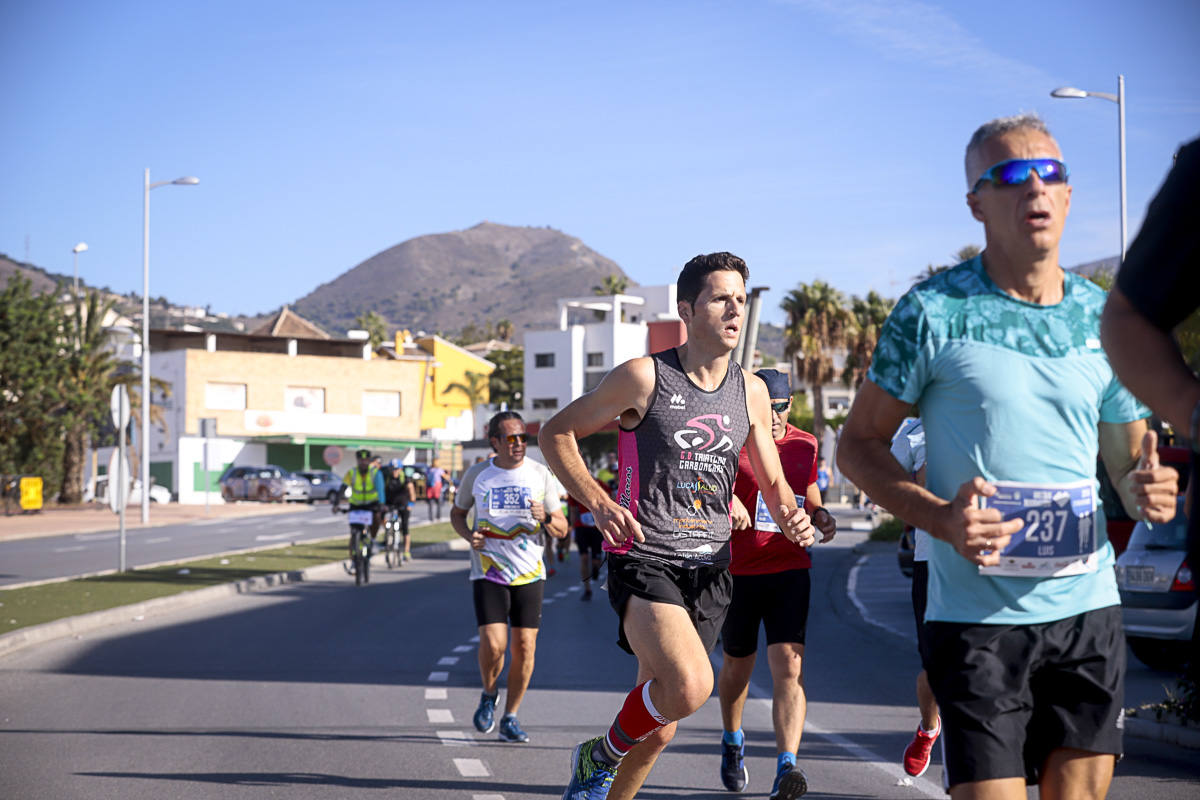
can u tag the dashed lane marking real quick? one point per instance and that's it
(474, 639)
(435, 694)
(438, 677)
(274, 537)
(447, 661)
(70, 549)
(95, 537)
(487, 797)
(158, 540)
(471, 768)
(454, 738)
(440, 716)
(463, 648)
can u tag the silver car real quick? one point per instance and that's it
(1158, 596)
(322, 485)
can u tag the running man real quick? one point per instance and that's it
(589, 541)
(908, 448)
(401, 494)
(515, 500)
(684, 416)
(1002, 356)
(771, 588)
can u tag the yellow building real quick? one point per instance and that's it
(447, 409)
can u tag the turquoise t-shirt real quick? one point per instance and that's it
(1010, 391)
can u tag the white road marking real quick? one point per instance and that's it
(474, 639)
(471, 768)
(71, 549)
(487, 797)
(440, 715)
(573, 589)
(95, 537)
(464, 648)
(217, 521)
(447, 661)
(454, 738)
(274, 537)
(852, 591)
(158, 540)
(549, 601)
(435, 694)
(438, 677)
(323, 520)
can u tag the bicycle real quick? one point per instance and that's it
(360, 519)
(393, 543)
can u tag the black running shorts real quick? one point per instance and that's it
(920, 593)
(778, 600)
(589, 540)
(1011, 694)
(703, 591)
(520, 606)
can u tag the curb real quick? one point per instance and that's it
(1165, 732)
(83, 623)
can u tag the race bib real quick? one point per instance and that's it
(509, 499)
(360, 517)
(762, 517)
(1059, 534)
(587, 518)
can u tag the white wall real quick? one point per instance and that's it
(189, 464)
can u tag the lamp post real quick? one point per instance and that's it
(187, 181)
(76, 250)
(1119, 99)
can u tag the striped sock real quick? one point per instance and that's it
(637, 719)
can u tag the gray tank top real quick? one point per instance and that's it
(677, 466)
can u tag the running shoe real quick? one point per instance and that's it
(790, 783)
(733, 766)
(510, 731)
(919, 750)
(485, 715)
(590, 778)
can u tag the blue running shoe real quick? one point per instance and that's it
(790, 783)
(510, 731)
(733, 766)
(485, 715)
(590, 779)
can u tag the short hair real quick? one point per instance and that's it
(691, 278)
(973, 161)
(494, 423)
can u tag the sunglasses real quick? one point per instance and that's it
(1016, 171)
(781, 406)
(513, 438)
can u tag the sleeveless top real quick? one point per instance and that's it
(678, 465)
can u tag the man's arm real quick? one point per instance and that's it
(1130, 453)
(625, 392)
(1148, 362)
(864, 456)
(463, 500)
(764, 460)
(822, 519)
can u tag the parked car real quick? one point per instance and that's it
(1158, 594)
(322, 485)
(1119, 523)
(905, 548)
(99, 494)
(266, 484)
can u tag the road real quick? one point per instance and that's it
(35, 559)
(319, 690)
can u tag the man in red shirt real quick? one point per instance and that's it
(771, 587)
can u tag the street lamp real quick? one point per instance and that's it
(187, 181)
(77, 249)
(1119, 99)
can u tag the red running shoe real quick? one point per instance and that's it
(916, 755)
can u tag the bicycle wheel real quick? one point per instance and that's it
(359, 567)
(391, 554)
(366, 558)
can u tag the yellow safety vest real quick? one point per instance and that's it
(362, 487)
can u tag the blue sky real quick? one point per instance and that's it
(818, 139)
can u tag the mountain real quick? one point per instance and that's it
(42, 280)
(442, 282)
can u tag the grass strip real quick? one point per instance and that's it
(33, 605)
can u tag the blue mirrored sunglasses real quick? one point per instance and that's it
(1016, 171)
(781, 406)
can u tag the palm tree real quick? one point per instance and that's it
(504, 330)
(867, 317)
(475, 389)
(611, 284)
(817, 324)
(374, 325)
(964, 253)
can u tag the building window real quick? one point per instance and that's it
(545, 402)
(838, 403)
(225, 396)
(595, 359)
(304, 398)
(381, 404)
(592, 379)
(543, 359)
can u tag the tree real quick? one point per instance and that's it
(475, 389)
(507, 382)
(31, 382)
(964, 253)
(867, 318)
(611, 284)
(374, 325)
(817, 324)
(504, 330)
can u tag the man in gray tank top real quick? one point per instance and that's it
(684, 414)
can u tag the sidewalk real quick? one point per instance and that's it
(96, 517)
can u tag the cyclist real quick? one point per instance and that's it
(400, 495)
(365, 482)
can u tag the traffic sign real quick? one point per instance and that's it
(118, 492)
(119, 405)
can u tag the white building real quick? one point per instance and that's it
(594, 334)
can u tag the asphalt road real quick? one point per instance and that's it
(25, 560)
(321, 689)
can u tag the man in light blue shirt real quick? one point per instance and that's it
(1002, 356)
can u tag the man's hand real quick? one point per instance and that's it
(477, 539)
(1153, 486)
(825, 523)
(978, 534)
(739, 517)
(616, 524)
(538, 509)
(797, 525)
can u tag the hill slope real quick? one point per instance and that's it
(442, 282)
